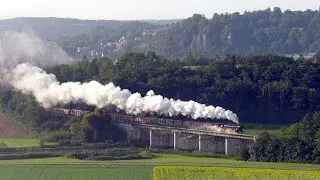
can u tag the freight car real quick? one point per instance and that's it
(70, 112)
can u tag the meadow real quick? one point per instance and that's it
(75, 172)
(211, 173)
(20, 142)
(173, 159)
(62, 168)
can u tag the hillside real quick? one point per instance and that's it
(10, 129)
(288, 32)
(52, 28)
(109, 39)
(47, 27)
(258, 32)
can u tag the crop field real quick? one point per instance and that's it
(20, 142)
(175, 159)
(74, 172)
(61, 168)
(211, 173)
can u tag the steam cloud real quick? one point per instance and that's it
(49, 92)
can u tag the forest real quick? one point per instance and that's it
(264, 31)
(299, 143)
(251, 33)
(265, 89)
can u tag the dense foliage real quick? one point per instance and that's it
(111, 154)
(95, 127)
(300, 143)
(204, 173)
(27, 111)
(260, 89)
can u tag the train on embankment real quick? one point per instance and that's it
(156, 121)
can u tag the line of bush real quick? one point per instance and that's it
(82, 153)
(111, 154)
(31, 155)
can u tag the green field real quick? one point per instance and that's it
(75, 172)
(174, 159)
(64, 168)
(208, 173)
(20, 142)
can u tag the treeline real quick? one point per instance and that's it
(299, 143)
(260, 89)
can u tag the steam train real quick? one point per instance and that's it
(70, 112)
(130, 119)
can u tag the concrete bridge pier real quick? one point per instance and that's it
(186, 141)
(161, 139)
(174, 140)
(199, 143)
(135, 134)
(233, 145)
(214, 144)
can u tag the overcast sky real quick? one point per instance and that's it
(141, 9)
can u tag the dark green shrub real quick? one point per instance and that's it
(59, 136)
(3, 145)
(28, 156)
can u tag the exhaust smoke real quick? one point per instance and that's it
(26, 77)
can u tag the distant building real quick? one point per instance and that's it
(297, 56)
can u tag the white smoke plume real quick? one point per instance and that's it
(49, 92)
(17, 48)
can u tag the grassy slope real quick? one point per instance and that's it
(9, 128)
(20, 142)
(258, 131)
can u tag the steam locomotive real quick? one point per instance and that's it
(130, 119)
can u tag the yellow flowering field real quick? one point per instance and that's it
(220, 173)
